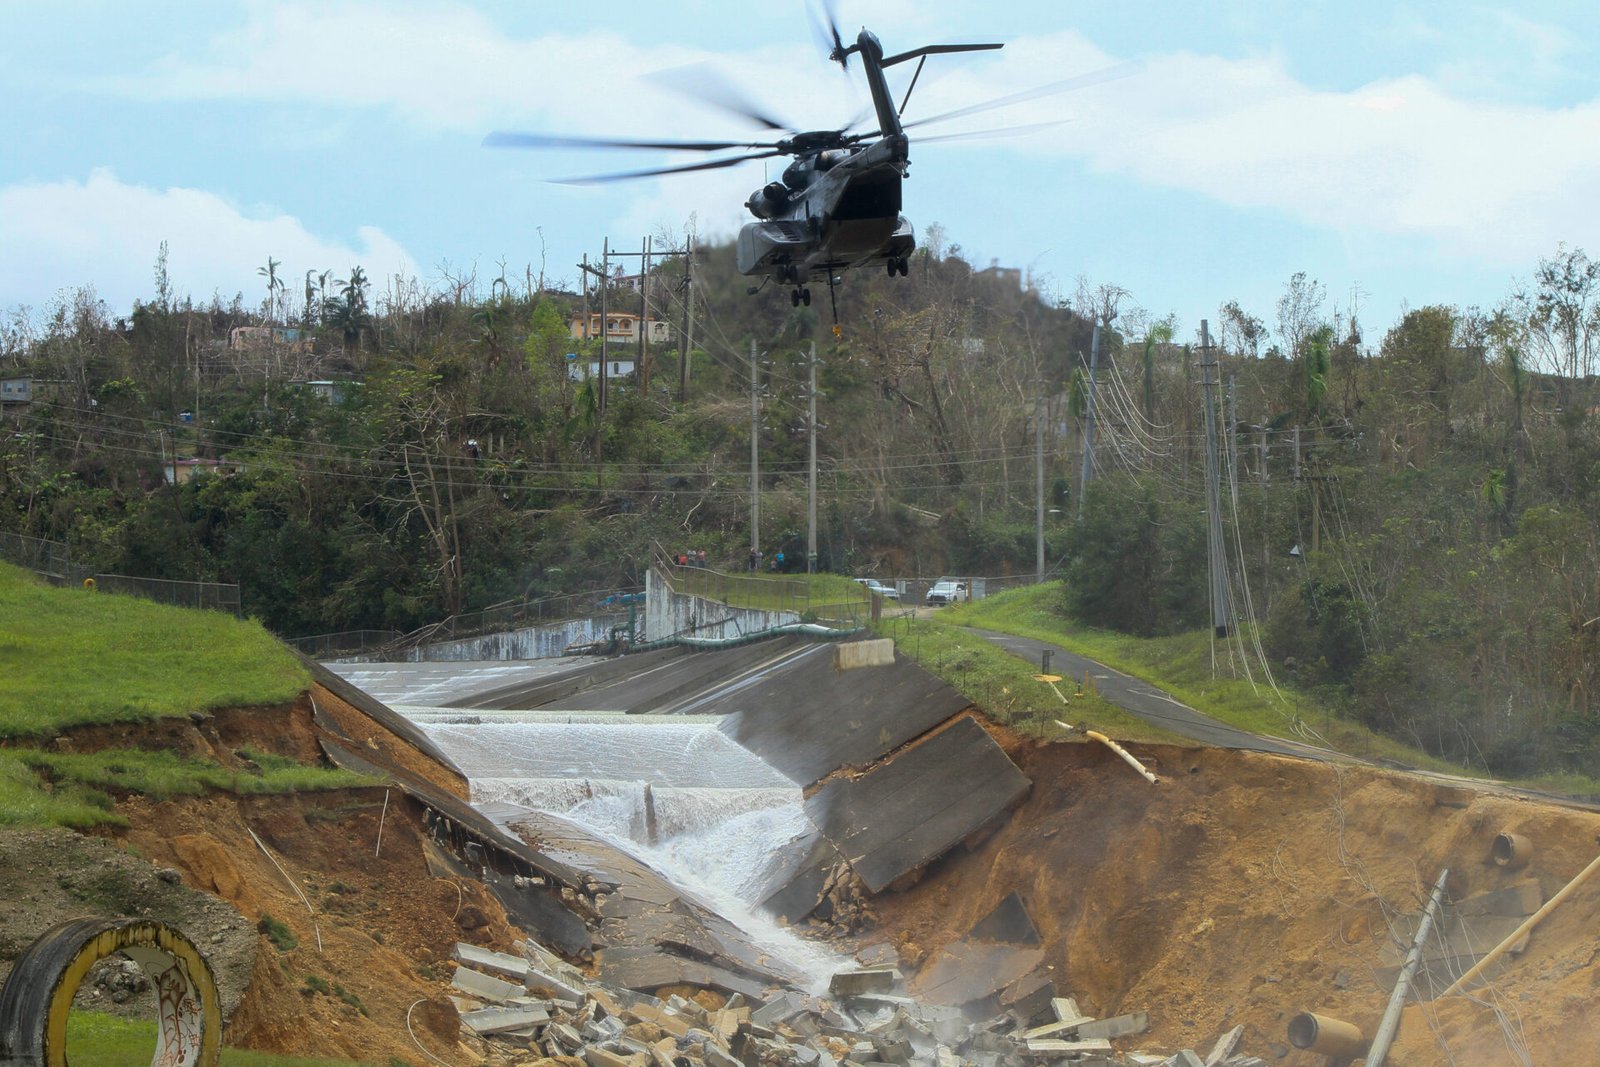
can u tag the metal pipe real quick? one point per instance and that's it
(1516, 935)
(1397, 1000)
(1127, 756)
(1327, 1035)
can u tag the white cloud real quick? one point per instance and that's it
(106, 233)
(1499, 182)
(1405, 156)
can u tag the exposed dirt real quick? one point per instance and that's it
(386, 924)
(1246, 888)
(48, 876)
(1243, 889)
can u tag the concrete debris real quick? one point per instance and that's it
(854, 983)
(557, 1011)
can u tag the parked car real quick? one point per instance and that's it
(948, 591)
(872, 585)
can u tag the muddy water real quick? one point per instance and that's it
(718, 823)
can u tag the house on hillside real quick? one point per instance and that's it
(579, 370)
(182, 471)
(17, 389)
(246, 338)
(621, 327)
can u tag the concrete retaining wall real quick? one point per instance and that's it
(670, 614)
(530, 642)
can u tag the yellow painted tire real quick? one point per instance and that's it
(38, 994)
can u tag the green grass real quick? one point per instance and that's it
(72, 657)
(1182, 665)
(77, 789)
(109, 1041)
(1005, 687)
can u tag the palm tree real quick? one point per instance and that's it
(348, 312)
(274, 286)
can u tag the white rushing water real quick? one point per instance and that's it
(728, 828)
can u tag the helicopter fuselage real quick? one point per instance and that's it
(834, 210)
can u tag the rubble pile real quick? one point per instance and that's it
(536, 1006)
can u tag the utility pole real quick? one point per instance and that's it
(605, 355)
(644, 317)
(688, 330)
(1219, 581)
(1088, 420)
(811, 470)
(1038, 485)
(755, 465)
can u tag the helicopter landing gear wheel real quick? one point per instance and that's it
(801, 295)
(899, 265)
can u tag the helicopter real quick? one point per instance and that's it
(837, 206)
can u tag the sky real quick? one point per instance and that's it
(1400, 155)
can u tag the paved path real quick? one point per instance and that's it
(1154, 706)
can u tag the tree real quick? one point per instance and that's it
(348, 313)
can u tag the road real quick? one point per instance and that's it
(1145, 701)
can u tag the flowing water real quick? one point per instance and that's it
(727, 827)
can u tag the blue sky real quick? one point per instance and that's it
(1400, 154)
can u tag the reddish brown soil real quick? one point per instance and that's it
(378, 745)
(1246, 888)
(387, 926)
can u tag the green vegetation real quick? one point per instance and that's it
(89, 658)
(312, 985)
(85, 657)
(1181, 664)
(1004, 686)
(278, 933)
(109, 1041)
(1412, 509)
(77, 789)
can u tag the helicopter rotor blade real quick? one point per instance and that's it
(508, 139)
(1066, 85)
(650, 172)
(997, 131)
(699, 82)
(825, 23)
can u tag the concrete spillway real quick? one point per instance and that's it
(683, 798)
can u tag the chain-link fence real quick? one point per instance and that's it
(52, 561)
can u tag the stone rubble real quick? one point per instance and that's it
(536, 1006)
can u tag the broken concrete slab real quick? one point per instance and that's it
(484, 986)
(1118, 1026)
(1226, 1045)
(1049, 1047)
(968, 971)
(1186, 1058)
(916, 806)
(1008, 921)
(872, 980)
(500, 1020)
(599, 1056)
(487, 961)
(1520, 900)
(807, 719)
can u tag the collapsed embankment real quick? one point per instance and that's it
(348, 933)
(1247, 887)
(1241, 890)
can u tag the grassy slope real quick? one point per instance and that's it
(1005, 687)
(1181, 665)
(71, 657)
(105, 1040)
(75, 658)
